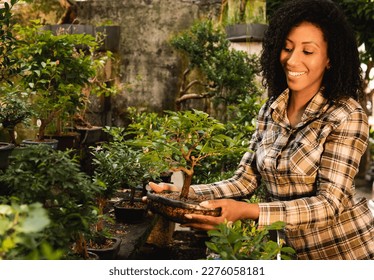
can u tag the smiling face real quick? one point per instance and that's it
(304, 59)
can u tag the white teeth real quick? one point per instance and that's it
(295, 74)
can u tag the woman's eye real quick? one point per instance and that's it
(287, 49)
(308, 52)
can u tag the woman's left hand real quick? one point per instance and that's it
(231, 210)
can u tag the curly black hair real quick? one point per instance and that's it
(343, 79)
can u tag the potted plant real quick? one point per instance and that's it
(182, 141)
(215, 72)
(55, 69)
(14, 109)
(244, 20)
(118, 166)
(53, 178)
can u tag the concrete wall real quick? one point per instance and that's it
(148, 67)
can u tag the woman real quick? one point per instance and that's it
(309, 140)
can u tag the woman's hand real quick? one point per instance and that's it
(160, 187)
(231, 210)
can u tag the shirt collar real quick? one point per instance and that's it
(317, 105)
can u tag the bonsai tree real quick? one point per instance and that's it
(214, 71)
(119, 165)
(182, 140)
(14, 109)
(55, 69)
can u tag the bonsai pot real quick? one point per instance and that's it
(108, 252)
(67, 141)
(89, 135)
(5, 151)
(253, 32)
(53, 143)
(174, 209)
(132, 214)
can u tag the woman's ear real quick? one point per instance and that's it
(328, 65)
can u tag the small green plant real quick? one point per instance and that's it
(243, 240)
(55, 69)
(214, 71)
(21, 228)
(14, 109)
(53, 178)
(119, 165)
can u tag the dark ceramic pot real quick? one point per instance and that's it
(130, 214)
(5, 151)
(253, 32)
(53, 143)
(109, 253)
(175, 210)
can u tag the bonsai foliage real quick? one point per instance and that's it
(55, 69)
(53, 178)
(243, 240)
(182, 140)
(119, 165)
(14, 109)
(223, 74)
(21, 235)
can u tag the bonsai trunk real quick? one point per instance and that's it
(101, 202)
(132, 196)
(12, 135)
(186, 185)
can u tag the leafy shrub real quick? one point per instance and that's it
(21, 229)
(242, 240)
(53, 178)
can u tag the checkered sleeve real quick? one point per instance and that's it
(343, 148)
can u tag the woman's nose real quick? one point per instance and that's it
(293, 58)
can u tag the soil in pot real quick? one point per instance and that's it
(106, 249)
(130, 213)
(169, 205)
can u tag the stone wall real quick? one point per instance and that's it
(148, 68)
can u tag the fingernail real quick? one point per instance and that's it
(204, 204)
(188, 216)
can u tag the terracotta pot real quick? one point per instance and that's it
(175, 210)
(109, 253)
(130, 214)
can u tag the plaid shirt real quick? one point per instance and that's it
(309, 174)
